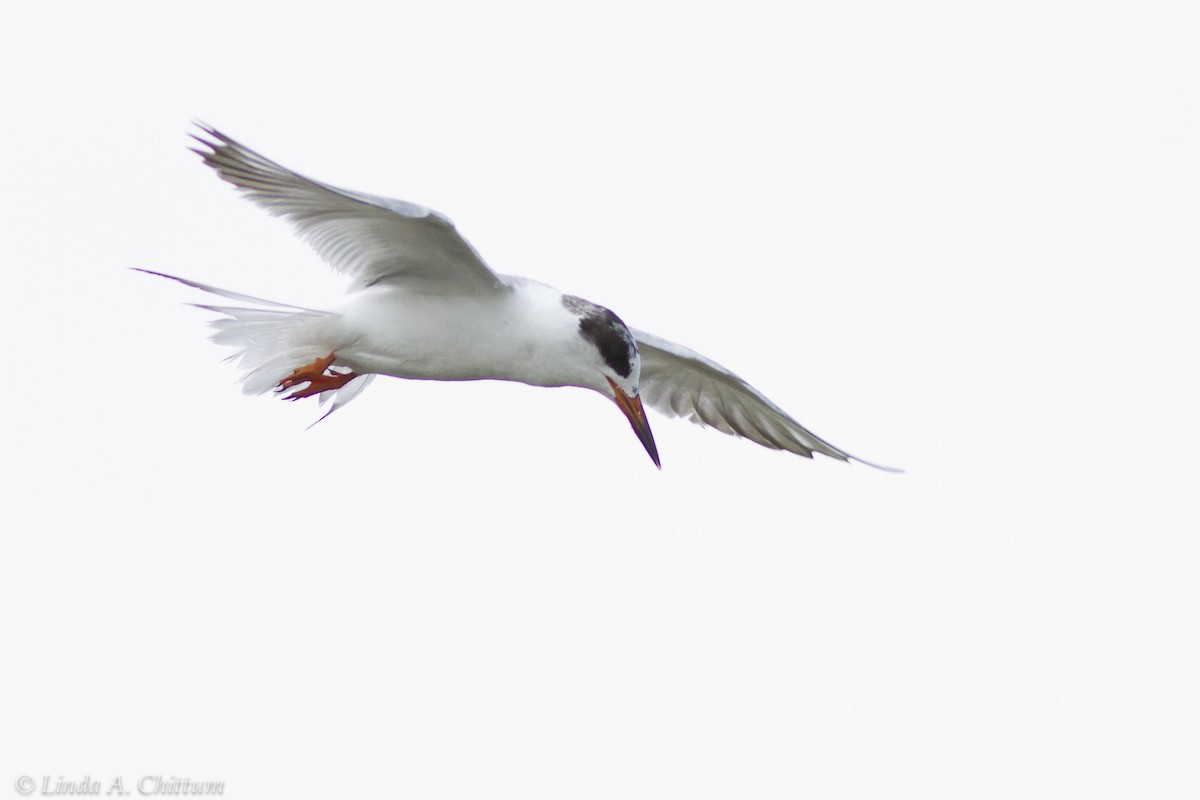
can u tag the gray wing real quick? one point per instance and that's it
(366, 237)
(680, 382)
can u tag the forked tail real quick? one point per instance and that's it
(272, 342)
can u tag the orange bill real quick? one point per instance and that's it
(636, 414)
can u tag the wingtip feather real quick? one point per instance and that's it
(881, 467)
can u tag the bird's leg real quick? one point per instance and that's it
(315, 376)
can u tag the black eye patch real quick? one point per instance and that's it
(606, 332)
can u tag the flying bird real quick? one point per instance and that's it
(424, 305)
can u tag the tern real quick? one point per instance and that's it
(423, 305)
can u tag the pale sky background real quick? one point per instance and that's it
(955, 237)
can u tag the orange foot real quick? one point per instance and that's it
(314, 375)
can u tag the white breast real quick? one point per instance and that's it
(525, 334)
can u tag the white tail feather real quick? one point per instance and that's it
(269, 343)
(272, 342)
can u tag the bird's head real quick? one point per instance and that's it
(617, 365)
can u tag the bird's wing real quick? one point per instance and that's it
(366, 237)
(680, 382)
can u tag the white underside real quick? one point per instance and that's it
(525, 334)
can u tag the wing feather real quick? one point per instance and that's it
(366, 237)
(678, 381)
